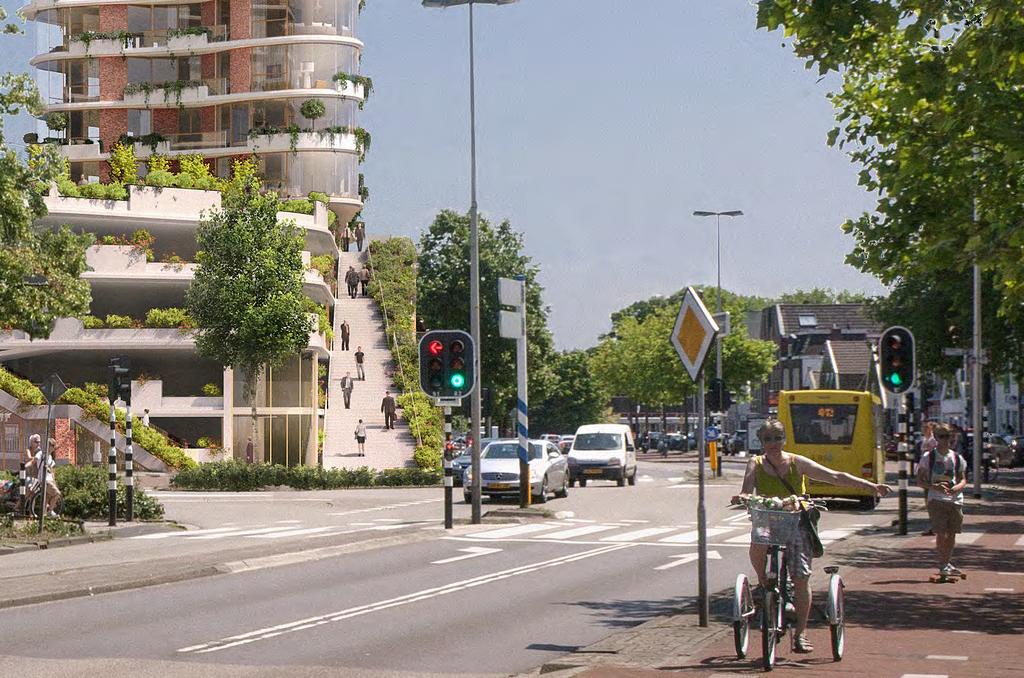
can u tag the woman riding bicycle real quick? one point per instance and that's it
(767, 475)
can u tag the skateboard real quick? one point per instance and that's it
(951, 578)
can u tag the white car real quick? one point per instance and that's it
(499, 471)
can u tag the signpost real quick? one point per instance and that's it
(692, 336)
(512, 325)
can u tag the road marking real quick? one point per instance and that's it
(1011, 574)
(578, 531)
(675, 479)
(924, 675)
(684, 558)
(294, 533)
(999, 590)
(634, 521)
(739, 539)
(691, 536)
(1020, 542)
(425, 594)
(282, 522)
(973, 633)
(639, 534)
(385, 507)
(513, 531)
(471, 552)
(968, 537)
(829, 536)
(739, 517)
(387, 520)
(949, 657)
(683, 487)
(237, 533)
(179, 533)
(579, 520)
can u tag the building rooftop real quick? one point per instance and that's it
(803, 317)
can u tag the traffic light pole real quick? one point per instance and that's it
(702, 525)
(447, 456)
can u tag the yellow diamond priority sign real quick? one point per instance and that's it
(693, 333)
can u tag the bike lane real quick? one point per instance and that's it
(899, 623)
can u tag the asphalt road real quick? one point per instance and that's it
(491, 600)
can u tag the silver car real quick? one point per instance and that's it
(499, 471)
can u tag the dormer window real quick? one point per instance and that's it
(807, 320)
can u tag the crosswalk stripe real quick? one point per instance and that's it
(829, 536)
(165, 535)
(739, 539)
(579, 531)
(236, 533)
(626, 520)
(968, 537)
(294, 533)
(691, 536)
(638, 534)
(1020, 542)
(513, 531)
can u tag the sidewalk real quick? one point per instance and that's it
(898, 623)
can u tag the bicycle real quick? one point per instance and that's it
(776, 528)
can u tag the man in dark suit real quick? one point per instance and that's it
(388, 407)
(345, 331)
(347, 384)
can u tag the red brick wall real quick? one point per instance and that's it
(165, 120)
(209, 13)
(65, 437)
(241, 19)
(113, 18)
(241, 69)
(209, 65)
(113, 123)
(113, 78)
(208, 117)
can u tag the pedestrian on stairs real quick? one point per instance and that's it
(360, 234)
(388, 407)
(347, 384)
(352, 280)
(361, 437)
(345, 332)
(364, 278)
(360, 372)
(346, 238)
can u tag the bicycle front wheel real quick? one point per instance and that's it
(836, 616)
(743, 610)
(771, 627)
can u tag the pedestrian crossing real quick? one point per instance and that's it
(286, 529)
(731, 532)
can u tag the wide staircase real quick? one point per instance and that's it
(384, 448)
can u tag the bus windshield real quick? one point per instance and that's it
(816, 424)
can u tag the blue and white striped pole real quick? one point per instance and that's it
(522, 402)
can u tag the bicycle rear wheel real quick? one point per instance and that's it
(743, 610)
(836, 616)
(771, 626)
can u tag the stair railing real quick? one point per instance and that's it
(392, 337)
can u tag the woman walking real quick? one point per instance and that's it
(361, 437)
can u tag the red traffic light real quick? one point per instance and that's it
(435, 347)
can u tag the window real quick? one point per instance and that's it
(510, 451)
(817, 424)
(190, 120)
(807, 320)
(140, 122)
(598, 441)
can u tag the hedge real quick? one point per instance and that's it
(235, 476)
(84, 491)
(94, 405)
(393, 287)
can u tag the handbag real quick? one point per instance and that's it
(808, 517)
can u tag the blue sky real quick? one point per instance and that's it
(602, 125)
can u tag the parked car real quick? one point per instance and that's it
(603, 451)
(499, 471)
(676, 441)
(459, 466)
(994, 446)
(565, 444)
(737, 442)
(551, 437)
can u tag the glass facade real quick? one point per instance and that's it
(280, 67)
(237, 119)
(296, 174)
(280, 437)
(304, 17)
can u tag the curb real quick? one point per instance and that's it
(54, 543)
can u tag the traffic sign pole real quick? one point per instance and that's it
(702, 525)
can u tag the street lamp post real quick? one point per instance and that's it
(474, 249)
(718, 301)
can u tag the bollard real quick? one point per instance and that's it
(112, 470)
(447, 456)
(129, 481)
(901, 451)
(22, 488)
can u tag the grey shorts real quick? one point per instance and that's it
(799, 556)
(945, 517)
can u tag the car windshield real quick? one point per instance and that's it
(598, 441)
(510, 451)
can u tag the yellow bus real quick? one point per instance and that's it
(838, 429)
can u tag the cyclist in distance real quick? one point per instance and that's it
(767, 476)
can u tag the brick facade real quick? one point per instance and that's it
(165, 120)
(240, 78)
(113, 18)
(241, 19)
(65, 437)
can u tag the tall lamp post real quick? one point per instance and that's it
(718, 301)
(474, 248)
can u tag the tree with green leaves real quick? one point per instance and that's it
(574, 396)
(312, 109)
(40, 270)
(246, 297)
(443, 302)
(931, 107)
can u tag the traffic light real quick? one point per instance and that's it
(120, 380)
(446, 364)
(717, 398)
(896, 353)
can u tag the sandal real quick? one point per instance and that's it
(802, 645)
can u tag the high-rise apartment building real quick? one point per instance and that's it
(226, 79)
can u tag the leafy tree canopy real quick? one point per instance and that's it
(931, 107)
(574, 396)
(443, 301)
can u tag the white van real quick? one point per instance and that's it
(602, 451)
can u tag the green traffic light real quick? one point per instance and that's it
(457, 381)
(895, 379)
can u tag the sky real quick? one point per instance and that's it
(601, 126)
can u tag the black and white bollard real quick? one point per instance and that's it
(903, 455)
(22, 488)
(986, 456)
(112, 470)
(129, 481)
(446, 457)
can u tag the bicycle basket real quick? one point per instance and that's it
(773, 527)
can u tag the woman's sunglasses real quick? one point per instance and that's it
(773, 439)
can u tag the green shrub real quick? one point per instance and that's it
(119, 322)
(169, 318)
(317, 196)
(101, 391)
(91, 322)
(22, 389)
(123, 166)
(427, 458)
(68, 188)
(184, 181)
(297, 205)
(110, 240)
(236, 476)
(84, 490)
(212, 390)
(208, 442)
(324, 264)
(97, 191)
(158, 163)
(160, 178)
